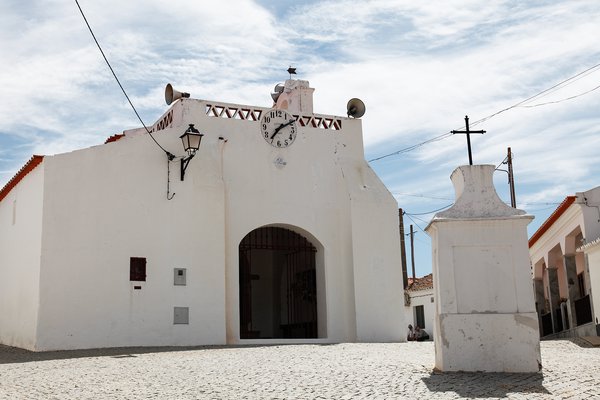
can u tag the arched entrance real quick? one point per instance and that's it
(278, 285)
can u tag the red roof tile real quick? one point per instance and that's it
(114, 138)
(560, 210)
(423, 283)
(27, 168)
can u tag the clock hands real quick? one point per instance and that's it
(280, 127)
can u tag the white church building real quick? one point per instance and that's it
(278, 232)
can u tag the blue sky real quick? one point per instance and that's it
(418, 66)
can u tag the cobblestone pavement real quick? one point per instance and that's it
(338, 371)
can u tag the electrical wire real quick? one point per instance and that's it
(169, 155)
(421, 219)
(430, 212)
(561, 100)
(420, 195)
(418, 226)
(543, 93)
(542, 209)
(540, 204)
(413, 147)
(570, 80)
(501, 162)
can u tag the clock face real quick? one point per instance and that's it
(278, 128)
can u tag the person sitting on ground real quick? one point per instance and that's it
(411, 333)
(420, 334)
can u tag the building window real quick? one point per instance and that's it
(137, 269)
(420, 316)
(581, 282)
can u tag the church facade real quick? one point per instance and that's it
(279, 232)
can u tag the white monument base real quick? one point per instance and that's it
(485, 317)
(488, 342)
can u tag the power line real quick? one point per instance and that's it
(571, 80)
(543, 93)
(430, 212)
(545, 208)
(415, 223)
(413, 147)
(421, 196)
(171, 156)
(561, 100)
(421, 219)
(540, 204)
(501, 162)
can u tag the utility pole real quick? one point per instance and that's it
(412, 251)
(403, 249)
(511, 180)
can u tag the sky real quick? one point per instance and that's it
(419, 67)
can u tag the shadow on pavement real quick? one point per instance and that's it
(15, 355)
(485, 384)
(12, 355)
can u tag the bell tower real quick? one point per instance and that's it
(295, 96)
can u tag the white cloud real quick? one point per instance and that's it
(418, 66)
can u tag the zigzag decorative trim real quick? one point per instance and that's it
(319, 122)
(164, 122)
(222, 111)
(254, 114)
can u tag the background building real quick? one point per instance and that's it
(419, 307)
(564, 289)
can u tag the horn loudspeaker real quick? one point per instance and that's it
(171, 94)
(356, 108)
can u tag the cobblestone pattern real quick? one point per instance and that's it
(339, 371)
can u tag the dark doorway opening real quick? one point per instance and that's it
(278, 285)
(420, 316)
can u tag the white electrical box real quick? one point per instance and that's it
(181, 315)
(179, 276)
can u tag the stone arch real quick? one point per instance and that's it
(573, 240)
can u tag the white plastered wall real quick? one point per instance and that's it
(108, 203)
(322, 192)
(376, 255)
(485, 318)
(592, 253)
(20, 249)
(590, 208)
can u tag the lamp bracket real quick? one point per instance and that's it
(184, 164)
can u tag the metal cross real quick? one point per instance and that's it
(468, 133)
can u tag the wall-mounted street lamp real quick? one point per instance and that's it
(191, 139)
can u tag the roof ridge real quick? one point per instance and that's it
(423, 283)
(560, 210)
(29, 166)
(114, 138)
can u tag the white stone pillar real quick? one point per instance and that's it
(485, 317)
